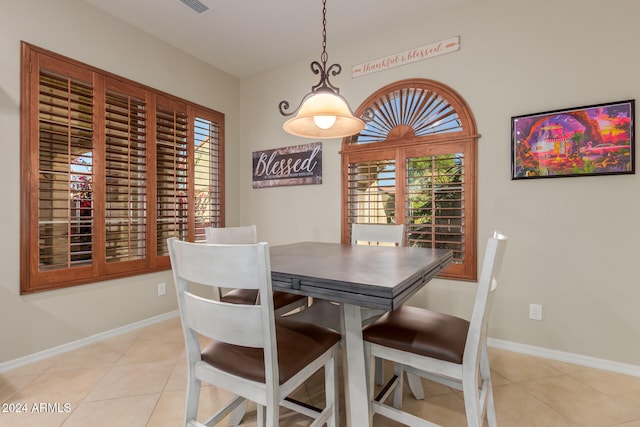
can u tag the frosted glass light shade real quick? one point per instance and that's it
(324, 104)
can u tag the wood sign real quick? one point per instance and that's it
(296, 165)
(407, 57)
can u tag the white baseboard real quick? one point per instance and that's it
(11, 364)
(545, 353)
(576, 359)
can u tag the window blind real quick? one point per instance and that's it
(435, 203)
(126, 177)
(172, 172)
(65, 172)
(206, 176)
(372, 192)
(110, 169)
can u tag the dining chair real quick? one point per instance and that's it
(253, 353)
(377, 234)
(440, 347)
(282, 301)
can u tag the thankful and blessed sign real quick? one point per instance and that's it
(406, 57)
(296, 165)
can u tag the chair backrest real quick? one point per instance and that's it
(232, 235)
(377, 234)
(487, 284)
(230, 266)
(241, 235)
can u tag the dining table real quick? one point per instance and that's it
(356, 276)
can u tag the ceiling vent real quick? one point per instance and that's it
(199, 7)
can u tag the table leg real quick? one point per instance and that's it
(356, 396)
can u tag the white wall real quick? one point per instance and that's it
(573, 240)
(36, 322)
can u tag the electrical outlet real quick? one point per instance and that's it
(535, 312)
(162, 289)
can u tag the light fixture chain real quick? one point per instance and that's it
(323, 107)
(324, 57)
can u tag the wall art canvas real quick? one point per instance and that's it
(295, 165)
(591, 140)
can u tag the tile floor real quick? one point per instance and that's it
(137, 379)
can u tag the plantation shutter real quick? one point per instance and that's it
(433, 189)
(435, 203)
(207, 173)
(371, 193)
(126, 174)
(172, 172)
(65, 173)
(109, 169)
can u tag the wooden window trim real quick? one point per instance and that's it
(31, 278)
(401, 144)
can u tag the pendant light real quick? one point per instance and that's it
(322, 113)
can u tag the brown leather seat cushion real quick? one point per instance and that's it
(298, 344)
(248, 296)
(420, 331)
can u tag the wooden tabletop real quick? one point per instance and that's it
(381, 277)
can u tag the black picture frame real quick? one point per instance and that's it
(591, 140)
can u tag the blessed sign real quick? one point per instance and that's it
(296, 165)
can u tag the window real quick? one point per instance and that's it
(110, 170)
(415, 164)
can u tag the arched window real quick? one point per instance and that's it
(415, 164)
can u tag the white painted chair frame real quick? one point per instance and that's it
(248, 267)
(376, 234)
(245, 234)
(474, 369)
(232, 235)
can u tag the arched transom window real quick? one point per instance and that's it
(415, 164)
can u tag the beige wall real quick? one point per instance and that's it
(573, 240)
(37, 322)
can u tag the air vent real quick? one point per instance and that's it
(197, 6)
